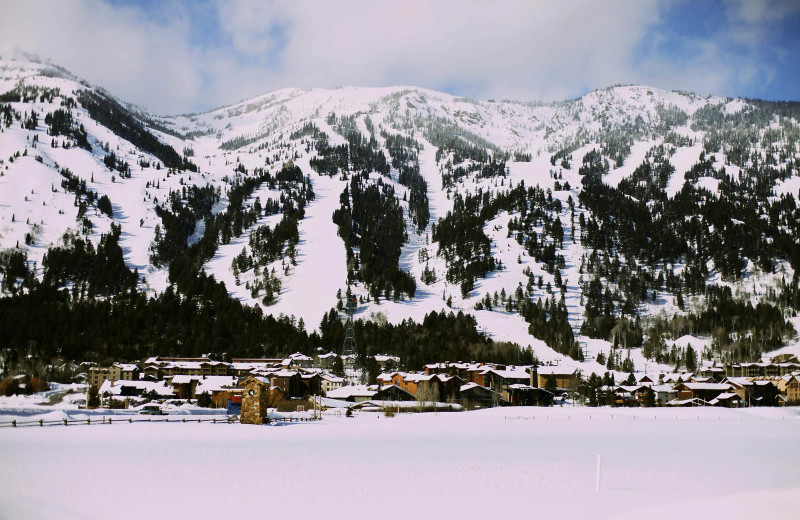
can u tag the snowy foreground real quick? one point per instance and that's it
(531, 462)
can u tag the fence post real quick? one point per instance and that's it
(14, 423)
(65, 422)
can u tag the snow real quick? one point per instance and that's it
(309, 288)
(321, 261)
(661, 463)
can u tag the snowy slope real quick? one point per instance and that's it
(256, 134)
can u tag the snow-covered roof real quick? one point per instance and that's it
(352, 391)
(739, 381)
(332, 378)
(512, 374)
(470, 386)
(250, 365)
(285, 373)
(631, 389)
(115, 388)
(184, 379)
(663, 389)
(215, 383)
(519, 386)
(556, 370)
(707, 386)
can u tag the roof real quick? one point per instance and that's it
(115, 388)
(351, 391)
(555, 370)
(285, 373)
(262, 380)
(663, 389)
(184, 379)
(707, 386)
(215, 383)
(512, 374)
(332, 378)
(686, 402)
(470, 386)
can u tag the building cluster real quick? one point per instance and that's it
(188, 378)
(470, 385)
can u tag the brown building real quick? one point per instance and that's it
(289, 381)
(704, 391)
(566, 378)
(789, 387)
(116, 372)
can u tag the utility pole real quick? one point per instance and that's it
(349, 348)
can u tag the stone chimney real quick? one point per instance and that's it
(534, 376)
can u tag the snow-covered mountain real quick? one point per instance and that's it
(66, 145)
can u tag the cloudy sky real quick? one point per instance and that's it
(172, 56)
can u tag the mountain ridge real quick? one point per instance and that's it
(428, 149)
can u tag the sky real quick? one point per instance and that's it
(171, 56)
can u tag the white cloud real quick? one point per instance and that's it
(511, 49)
(119, 48)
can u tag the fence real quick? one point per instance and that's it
(112, 420)
(130, 420)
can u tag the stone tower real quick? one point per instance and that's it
(254, 401)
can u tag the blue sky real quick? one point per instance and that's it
(172, 56)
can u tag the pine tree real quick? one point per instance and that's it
(92, 398)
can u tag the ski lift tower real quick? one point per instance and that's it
(349, 346)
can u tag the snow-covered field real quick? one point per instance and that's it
(526, 462)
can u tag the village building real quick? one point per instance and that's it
(324, 360)
(387, 362)
(566, 377)
(703, 391)
(116, 372)
(219, 388)
(664, 394)
(119, 390)
(354, 393)
(789, 387)
(330, 382)
(727, 400)
(474, 395)
(392, 393)
(301, 360)
(764, 393)
(526, 395)
(289, 381)
(161, 367)
(240, 367)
